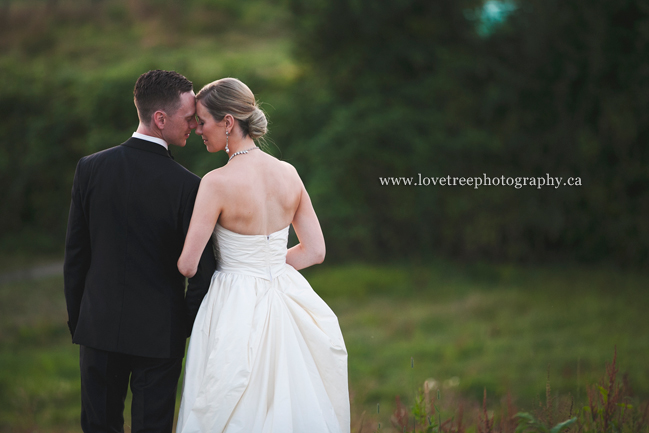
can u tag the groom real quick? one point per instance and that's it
(127, 304)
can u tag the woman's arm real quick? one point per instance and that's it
(207, 209)
(311, 249)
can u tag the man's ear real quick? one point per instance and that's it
(160, 119)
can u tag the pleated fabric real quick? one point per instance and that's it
(266, 352)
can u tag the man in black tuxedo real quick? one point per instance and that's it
(127, 304)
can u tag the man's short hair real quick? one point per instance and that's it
(159, 90)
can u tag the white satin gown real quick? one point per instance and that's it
(266, 353)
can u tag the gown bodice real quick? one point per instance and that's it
(262, 256)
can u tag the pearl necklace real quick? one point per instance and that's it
(241, 151)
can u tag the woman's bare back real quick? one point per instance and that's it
(260, 194)
(254, 193)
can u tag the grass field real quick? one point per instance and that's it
(502, 328)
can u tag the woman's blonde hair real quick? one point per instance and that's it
(231, 96)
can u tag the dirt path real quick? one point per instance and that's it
(34, 273)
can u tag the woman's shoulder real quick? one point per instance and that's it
(284, 167)
(215, 178)
(289, 167)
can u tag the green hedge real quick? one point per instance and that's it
(374, 90)
(412, 86)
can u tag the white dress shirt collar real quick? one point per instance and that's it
(157, 140)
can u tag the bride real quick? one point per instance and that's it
(266, 353)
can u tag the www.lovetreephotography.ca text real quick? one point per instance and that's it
(477, 182)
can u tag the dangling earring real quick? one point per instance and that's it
(227, 149)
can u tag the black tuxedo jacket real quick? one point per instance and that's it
(130, 211)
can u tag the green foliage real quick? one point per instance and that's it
(527, 423)
(611, 413)
(42, 133)
(368, 107)
(397, 89)
(612, 406)
(573, 106)
(409, 87)
(67, 71)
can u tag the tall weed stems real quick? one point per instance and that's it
(611, 408)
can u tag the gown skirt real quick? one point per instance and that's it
(266, 353)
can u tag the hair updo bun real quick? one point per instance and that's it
(231, 96)
(257, 124)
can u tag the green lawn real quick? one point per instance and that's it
(496, 327)
(468, 327)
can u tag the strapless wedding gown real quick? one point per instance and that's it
(266, 353)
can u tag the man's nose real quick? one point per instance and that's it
(193, 124)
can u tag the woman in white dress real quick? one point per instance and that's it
(266, 353)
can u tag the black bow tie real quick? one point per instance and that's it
(170, 155)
